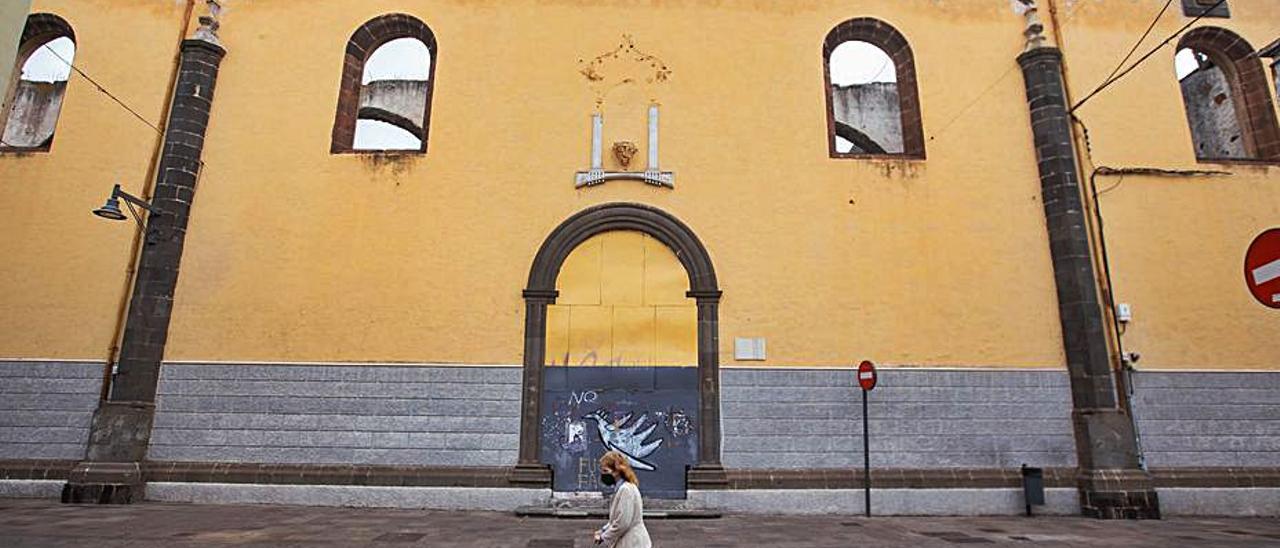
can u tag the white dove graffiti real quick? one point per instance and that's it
(626, 440)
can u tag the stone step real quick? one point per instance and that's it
(603, 513)
(598, 508)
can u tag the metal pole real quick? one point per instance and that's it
(866, 456)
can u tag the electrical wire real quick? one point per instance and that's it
(1140, 40)
(1107, 83)
(880, 70)
(973, 102)
(100, 88)
(104, 90)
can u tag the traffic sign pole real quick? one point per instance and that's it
(866, 456)
(867, 381)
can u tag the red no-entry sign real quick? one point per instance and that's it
(866, 375)
(867, 380)
(1262, 268)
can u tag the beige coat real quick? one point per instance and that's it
(626, 520)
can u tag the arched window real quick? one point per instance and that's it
(43, 67)
(1227, 97)
(384, 100)
(873, 107)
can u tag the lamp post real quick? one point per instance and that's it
(111, 209)
(120, 433)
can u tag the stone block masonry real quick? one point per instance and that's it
(920, 418)
(46, 408)
(1208, 419)
(338, 414)
(1111, 483)
(121, 427)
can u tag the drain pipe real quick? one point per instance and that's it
(1127, 359)
(135, 247)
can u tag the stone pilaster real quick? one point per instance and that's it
(529, 470)
(709, 472)
(121, 429)
(1111, 482)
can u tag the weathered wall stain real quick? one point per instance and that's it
(625, 64)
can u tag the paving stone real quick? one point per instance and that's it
(38, 523)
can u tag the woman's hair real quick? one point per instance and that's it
(618, 462)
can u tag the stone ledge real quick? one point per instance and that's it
(31, 489)
(328, 474)
(440, 498)
(851, 478)
(35, 469)
(885, 502)
(1215, 477)
(1236, 502)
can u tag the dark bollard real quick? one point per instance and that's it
(1032, 486)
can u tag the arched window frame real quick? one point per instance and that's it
(895, 45)
(40, 29)
(1250, 90)
(364, 41)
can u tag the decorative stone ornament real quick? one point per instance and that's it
(624, 151)
(1034, 31)
(209, 24)
(624, 65)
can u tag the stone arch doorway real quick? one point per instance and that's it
(540, 292)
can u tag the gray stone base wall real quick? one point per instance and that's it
(919, 418)
(31, 489)
(887, 502)
(46, 408)
(438, 498)
(1218, 419)
(338, 414)
(1237, 502)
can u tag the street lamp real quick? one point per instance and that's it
(111, 209)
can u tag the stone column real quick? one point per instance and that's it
(121, 428)
(1110, 480)
(709, 472)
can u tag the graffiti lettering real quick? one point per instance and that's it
(579, 398)
(592, 358)
(679, 424)
(596, 409)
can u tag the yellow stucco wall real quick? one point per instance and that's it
(1176, 244)
(622, 302)
(63, 272)
(294, 254)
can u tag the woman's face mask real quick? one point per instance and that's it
(606, 477)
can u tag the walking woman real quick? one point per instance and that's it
(626, 513)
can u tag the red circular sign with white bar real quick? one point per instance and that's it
(1262, 268)
(866, 375)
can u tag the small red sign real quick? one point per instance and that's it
(867, 375)
(1262, 268)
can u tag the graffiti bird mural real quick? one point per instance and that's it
(625, 440)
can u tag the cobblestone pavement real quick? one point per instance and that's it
(31, 523)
